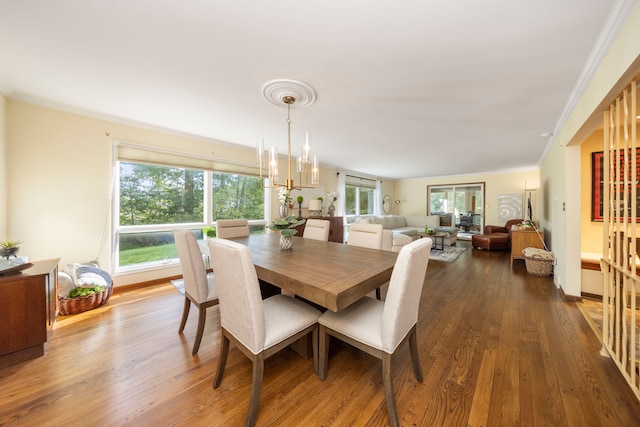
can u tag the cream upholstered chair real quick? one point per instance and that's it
(379, 328)
(317, 229)
(365, 235)
(199, 287)
(231, 228)
(259, 328)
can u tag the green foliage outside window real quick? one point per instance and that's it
(359, 200)
(236, 196)
(160, 195)
(165, 196)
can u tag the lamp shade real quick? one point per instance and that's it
(315, 205)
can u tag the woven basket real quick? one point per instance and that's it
(78, 305)
(538, 261)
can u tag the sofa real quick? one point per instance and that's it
(398, 230)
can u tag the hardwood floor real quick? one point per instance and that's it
(498, 347)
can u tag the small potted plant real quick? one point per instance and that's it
(9, 248)
(209, 232)
(299, 199)
(286, 226)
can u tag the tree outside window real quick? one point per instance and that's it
(153, 200)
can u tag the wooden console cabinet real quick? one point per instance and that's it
(29, 305)
(336, 229)
(522, 238)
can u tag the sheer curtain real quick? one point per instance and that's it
(377, 199)
(342, 190)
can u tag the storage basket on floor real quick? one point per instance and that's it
(78, 305)
(538, 261)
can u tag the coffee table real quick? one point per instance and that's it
(438, 239)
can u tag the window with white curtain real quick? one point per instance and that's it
(360, 196)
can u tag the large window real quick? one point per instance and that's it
(359, 196)
(153, 199)
(464, 202)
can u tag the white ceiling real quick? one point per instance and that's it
(404, 88)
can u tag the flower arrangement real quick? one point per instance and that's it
(284, 196)
(332, 196)
(286, 225)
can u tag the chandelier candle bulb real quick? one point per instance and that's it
(307, 149)
(300, 161)
(260, 153)
(315, 172)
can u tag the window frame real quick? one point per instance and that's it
(207, 220)
(361, 183)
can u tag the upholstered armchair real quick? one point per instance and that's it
(495, 237)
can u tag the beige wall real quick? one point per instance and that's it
(591, 233)
(412, 193)
(3, 170)
(60, 176)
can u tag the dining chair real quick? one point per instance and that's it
(366, 236)
(317, 229)
(199, 287)
(231, 228)
(380, 328)
(259, 328)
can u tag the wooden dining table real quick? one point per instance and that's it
(332, 275)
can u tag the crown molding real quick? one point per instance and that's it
(618, 15)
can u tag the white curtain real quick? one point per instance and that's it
(377, 199)
(342, 190)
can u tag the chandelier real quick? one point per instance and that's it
(284, 92)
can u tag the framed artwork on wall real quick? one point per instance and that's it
(509, 206)
(597, 184)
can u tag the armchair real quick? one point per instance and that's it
(495, 237)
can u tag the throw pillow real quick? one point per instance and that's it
(89, 276)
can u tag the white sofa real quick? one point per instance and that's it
(400, 230)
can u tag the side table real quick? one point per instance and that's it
(437, 237)
(522, 238)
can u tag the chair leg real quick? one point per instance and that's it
(314, 346)
(415, 356)
(388, 390)
(222, 359)
(256, 389)
(378, 294)
(185, 314)
(202, 318)
(323, 357)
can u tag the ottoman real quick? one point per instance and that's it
(490, 242)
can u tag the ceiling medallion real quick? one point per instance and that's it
(276, 91)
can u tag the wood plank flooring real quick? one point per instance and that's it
(498, 347)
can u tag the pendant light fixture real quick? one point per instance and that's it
(286, 93)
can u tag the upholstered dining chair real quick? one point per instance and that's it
(380, 328)
(199, 287)
(317, 229)
(231, 228)
(366, 236)
(259, 328)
